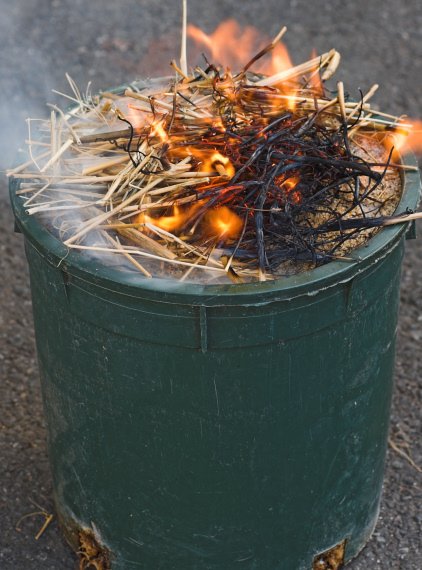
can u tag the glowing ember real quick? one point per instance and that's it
(289, 187)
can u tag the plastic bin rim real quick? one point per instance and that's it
(166, 290)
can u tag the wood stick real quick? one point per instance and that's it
(177, 68)
(104, 165)
(340, 91)
(65, 118)
(72, 191)
(385, 122)
(106, 215)
(293, 72)
(53, 135)
(142, 97)
(334, 62)
(402, 219)
(145, 254)
(37, 143)
(159, 102)
(37, 209)
(405, 455)
(128, 256)
(370, 93)
(36, 194)
(183, 244)
(108, 136)
(312, 100)
(135, 236)
(47, 521)
(29, 162)
(118, 181)
(183, 60)
(57, 155)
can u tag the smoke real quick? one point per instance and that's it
(112, 42)
(108, 43)
(24, 77)
(105, 43)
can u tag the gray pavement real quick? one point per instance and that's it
(112, 42)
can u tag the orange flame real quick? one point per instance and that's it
(234, 47)
(157, 130)
(221, 222)
(136, 116)
(404, 138)
(224, 223)
(280, 61)
(168, 223)
(219, 163)
(210, 160)
(315, 81)
(228, 45)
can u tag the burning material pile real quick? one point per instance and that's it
(243, 175)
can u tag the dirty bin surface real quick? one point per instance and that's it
(201, 426)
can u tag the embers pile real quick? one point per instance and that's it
(243, 175)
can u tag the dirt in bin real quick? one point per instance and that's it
(377, 44)
(384, 200)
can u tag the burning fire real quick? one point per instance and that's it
(228, 45)
(224, 223)
(233, 46)
(315, 81)
(219, 163)
(174, 223)
(219, 154)
(404, 138)
(167, 223)
(209, 161)
(219, 222)
(289, 186)
(157, 130)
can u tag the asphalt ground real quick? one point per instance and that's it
(109, 43)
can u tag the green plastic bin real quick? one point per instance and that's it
(216, 427)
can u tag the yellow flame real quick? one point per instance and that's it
(157, 129)
(224, 222)
(219, 163)
(404, 138)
